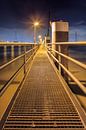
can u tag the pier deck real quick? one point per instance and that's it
(45, 101)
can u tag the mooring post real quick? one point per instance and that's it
(60, 30)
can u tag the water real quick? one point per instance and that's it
(7, 72)
(78, 52)
(4, 59)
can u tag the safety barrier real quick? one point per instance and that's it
(52, 52)
(12, 68)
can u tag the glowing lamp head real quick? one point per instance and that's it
(36, 23)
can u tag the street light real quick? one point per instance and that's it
(36, 23)
(35, 26)
(39, 36)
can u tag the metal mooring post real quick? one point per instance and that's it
(60, 30)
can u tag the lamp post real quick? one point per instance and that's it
(35, 26)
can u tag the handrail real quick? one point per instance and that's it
(60, 54)
(17, 43)
(69, 58)
(34, 49)
(70, 74)
(11, 79)
(8, 63)
(69, 43)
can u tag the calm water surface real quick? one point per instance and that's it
(8, 57)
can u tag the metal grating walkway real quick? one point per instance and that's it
(43, 102)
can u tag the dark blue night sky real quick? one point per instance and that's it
(17, 16)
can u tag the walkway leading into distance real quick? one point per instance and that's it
(45, 101)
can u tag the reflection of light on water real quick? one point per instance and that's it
(5, 59)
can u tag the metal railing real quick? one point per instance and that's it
(58, 59)
(12, 68)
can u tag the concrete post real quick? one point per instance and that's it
(60, 31)
(5, 53)
(19, 50)
(12, 51)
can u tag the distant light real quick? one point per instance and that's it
(39, 36)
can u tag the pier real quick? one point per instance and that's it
(36, 86)
(43, 100)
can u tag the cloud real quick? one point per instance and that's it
(78, 32)
(82, 22)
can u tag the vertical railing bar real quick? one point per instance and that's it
(70, 59)
(70, 74)
(24, 59)
(24, 66)
(59, 58)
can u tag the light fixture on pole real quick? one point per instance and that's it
(36, 24)
(39, 36)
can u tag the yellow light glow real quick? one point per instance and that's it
(36, 23)
(39, 36)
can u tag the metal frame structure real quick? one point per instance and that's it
(45, 101)
(60, 54)
(24, 55)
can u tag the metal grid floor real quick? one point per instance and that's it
(43, 102)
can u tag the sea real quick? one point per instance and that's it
(8, 57)
(77, 52)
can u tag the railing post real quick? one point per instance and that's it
(59, 58)
(24, 59)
